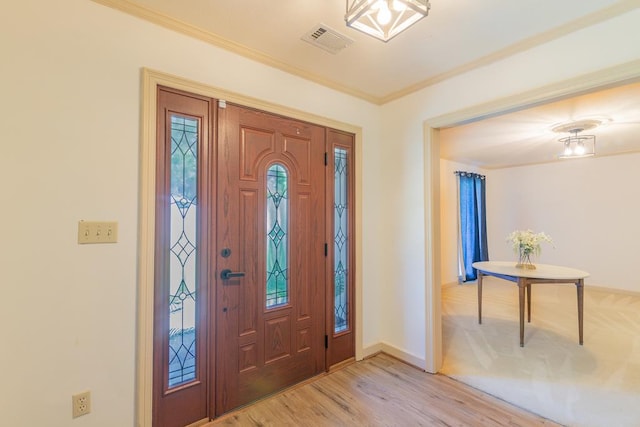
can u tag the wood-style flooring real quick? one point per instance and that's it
(381, 391)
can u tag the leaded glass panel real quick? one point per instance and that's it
(277, 289)
(341, 240)
(182, 250)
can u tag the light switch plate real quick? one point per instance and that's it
(97, 232)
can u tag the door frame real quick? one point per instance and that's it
(608, 77)
(151, 79)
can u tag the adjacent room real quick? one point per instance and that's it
(393, 97)
(583, 204)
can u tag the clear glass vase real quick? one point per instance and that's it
(524, 261)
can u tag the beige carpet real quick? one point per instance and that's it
(597, 384)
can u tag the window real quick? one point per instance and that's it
(341, 240)
(182, 248)
(277, 233)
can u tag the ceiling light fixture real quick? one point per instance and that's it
(577, 145)
(385, 19)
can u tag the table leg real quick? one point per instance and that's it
(480, 297)
(521, 288)
(529, 303)
(580, 291)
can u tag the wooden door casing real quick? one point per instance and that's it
(260, 350)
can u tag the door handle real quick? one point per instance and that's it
(228, 274)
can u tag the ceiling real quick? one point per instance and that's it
(525, 137)
(457, 36)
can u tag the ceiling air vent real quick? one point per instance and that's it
(327, 39)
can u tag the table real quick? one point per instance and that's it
(524, 278)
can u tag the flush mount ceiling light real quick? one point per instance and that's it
(577, 145)
(385, 19)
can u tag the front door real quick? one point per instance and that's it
(270, 222)
(253, 279)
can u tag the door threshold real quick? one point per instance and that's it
(235, 411)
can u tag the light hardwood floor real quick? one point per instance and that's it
(381, 391)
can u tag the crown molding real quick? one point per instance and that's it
(182, 27)
(171, 23)
(617, 9)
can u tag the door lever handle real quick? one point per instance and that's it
(228, 274)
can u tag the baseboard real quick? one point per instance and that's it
(612, 290)
(371, 350)
(403, 356)
(467, 283)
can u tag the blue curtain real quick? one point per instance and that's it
(472, 223)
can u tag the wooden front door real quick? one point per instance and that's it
(253, 276)
(270, 292)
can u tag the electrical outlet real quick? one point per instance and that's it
(81, 404)
(97, 232)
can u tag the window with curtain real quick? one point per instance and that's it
(472, 224)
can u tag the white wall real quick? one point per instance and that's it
(70, 115)
(604, 45)
(588, 206)
(449, 218)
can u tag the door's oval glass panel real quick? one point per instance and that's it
(182, 250)
(277, 286)
(341, 241)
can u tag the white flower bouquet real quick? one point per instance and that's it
(526, 243)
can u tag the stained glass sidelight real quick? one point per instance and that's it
(341, 242)
(277, 236)
(182, 250)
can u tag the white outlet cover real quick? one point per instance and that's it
(80, 404)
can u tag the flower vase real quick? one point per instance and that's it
(524, 261)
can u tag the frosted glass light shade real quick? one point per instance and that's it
(576, 146)
(385, 19)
